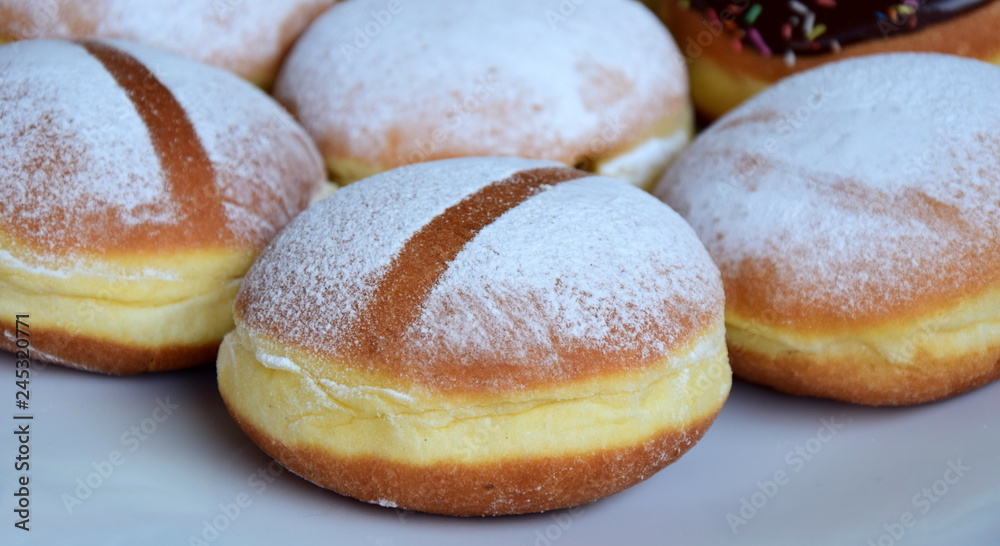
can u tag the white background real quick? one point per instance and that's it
(862, 479)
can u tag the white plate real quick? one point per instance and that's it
(859, 472)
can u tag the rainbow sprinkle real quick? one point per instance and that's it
(817, 31)
(758, 42)
(808, 26)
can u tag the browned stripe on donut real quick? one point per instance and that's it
(401, 292)
(188, 172)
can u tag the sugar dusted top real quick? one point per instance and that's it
(852, 192)
(247, 37)
(401, 82)
(83, 172)
(585, 275)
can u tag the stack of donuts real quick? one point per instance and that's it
(525, 243)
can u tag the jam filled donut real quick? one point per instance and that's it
(853, 211)
(136, 187)
(247, 37)
(600, 86)
(735, 48)
(479, 336)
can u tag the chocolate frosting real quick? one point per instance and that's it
(803, 27)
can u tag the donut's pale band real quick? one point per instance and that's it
(188, 303)
(945, 335)
(721, 89)
(645, 163)
(304, 402)
(641, 165)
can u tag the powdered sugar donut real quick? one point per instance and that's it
(136, 187)
(600, 86)
(247, 37)
(853, 212)
(479, 336)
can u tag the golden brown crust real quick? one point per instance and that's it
(188, 173)
(672, 113)
(972, 35)
(872, 381)
(810, 267)
(231, 193)
(503, 488)
(586, 96)
(105, 356)
(753, 287)
(402, 290)
(375, 340)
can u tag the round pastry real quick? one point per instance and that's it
(247, 37)
(479, 336)
(853, 213)
(735, 48)
(136, 187)
(599, 85)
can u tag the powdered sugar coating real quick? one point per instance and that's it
(852, 191)
(591, 264)
(78, 167)
(74, 143)
(436, 79)
(255, 146)
(247, 37)
(582, 263)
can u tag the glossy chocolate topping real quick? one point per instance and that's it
(803, 27)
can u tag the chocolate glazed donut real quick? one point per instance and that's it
(736, 49)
